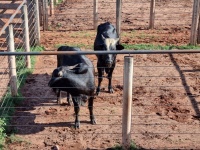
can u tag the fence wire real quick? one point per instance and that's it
(17, 22)
(163, 104)
(135, 15)
(165, 101)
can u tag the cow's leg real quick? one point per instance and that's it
(58, 95)
(76, 110)
(100, 78)
(110, 88)
(90, 107)
(68, 99)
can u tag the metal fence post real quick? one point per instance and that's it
(195, 22)
(95, 13)
(56, 1)
(127, 102)
(12, 61)
(45, 15)
(31, 21)
(41, 13)
(152, 14)
(118, 15)
(37, 16)
(26, 36)
(51, 7)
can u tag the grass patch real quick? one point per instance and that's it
(158, 47)
(130, 34)
(14, 139)
(136, 46)
(8, 102)
(59, 2)
(82, 34)
(119, 147)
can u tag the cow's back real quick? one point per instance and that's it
(75, 77)
(69, 60)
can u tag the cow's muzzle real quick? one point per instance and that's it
(53, 81)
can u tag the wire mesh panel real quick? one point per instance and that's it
(78, 15)
(168, 14)
(165, 111)
(40, 117)
(165, 107)
(172, 20)
(14, 70)
(165, 102)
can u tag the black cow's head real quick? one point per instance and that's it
(56, 75)
(109, 44)
(62, 72)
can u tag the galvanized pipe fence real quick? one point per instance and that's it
(127, 85)
(153, 15)
(21, 32)
(127, 125)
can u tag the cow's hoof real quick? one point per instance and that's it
(59, 101)
(77, 125)
(111, 90)
(93, 121)
(97, 91)
(69, 103)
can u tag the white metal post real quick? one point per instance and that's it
(95, 13)
(51, 7)
(127, 102)
(195, 22)
(26, 32)
(12, 61)
(37, 15)
(152, 14)
(118, 15)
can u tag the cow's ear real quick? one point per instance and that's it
(103, 38)
(119, 47)
(81, 68)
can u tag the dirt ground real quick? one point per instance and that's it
(165, 112)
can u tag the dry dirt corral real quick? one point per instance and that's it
(166, 99)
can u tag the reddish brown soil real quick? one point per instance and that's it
(165, 112)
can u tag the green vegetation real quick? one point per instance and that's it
(137, 46)
(158, 47)
(8, 102)
(130, 34)
(138, 35)
(59, 1)
(118, 147)
(82, 34)
(14, 139)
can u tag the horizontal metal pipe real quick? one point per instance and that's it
(89, 52)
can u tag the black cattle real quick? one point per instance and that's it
(76, 77)
(107, 39)
(66, 60)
